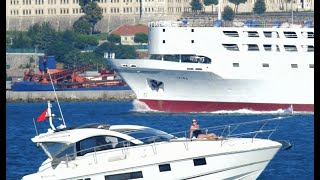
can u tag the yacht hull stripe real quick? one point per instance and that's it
(200, 106)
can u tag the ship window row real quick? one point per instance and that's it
(266, 65)
(268, 47)
(85, 179)
(269, 34)
(185, 58)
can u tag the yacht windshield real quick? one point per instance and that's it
(58, 150)
(150, 135)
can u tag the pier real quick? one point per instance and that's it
(70, 96)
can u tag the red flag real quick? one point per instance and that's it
(43, 116)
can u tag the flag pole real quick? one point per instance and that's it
(35, 127)
(57, 101)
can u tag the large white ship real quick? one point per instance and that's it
(204, 69)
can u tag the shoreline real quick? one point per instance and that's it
(70, 96)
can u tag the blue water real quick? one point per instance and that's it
(23, 157)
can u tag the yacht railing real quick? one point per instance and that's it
(233, 131)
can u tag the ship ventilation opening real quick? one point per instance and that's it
(155, 85)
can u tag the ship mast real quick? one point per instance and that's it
(219, 9)
(50, 116)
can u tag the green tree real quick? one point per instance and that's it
(20, 40)
(228, 14)
(91, 57)
(236, 3)
(259, 7)
(82, 25)
(114, 38)
(210, 2)
(93, 13)
(196, 5)
(141, 38)
(82, 41)
(59, 49)
(121, 51)
(72, 58)
(42, 35)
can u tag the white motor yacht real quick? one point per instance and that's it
(115, 152)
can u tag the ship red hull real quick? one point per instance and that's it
(196, 106)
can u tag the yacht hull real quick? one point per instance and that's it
(190, 160)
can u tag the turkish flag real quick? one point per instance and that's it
(43, 116)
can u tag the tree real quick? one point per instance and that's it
(141, 38)
(196, 5)
(236, 3)
(91, 57)
(259, 7)
(210, 2)
(21, 40)
(82, 41)
(42, 35)
(121, 51)
(59, 49)
(72, 58)
(114, 38)
(228, 14)
(82, 26)
(93, 13)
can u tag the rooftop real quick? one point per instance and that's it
(130, 29)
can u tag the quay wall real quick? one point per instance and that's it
(75, 96)
(110, 22)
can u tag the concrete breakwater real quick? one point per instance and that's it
(72, 96)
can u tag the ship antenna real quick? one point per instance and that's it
(55, 94)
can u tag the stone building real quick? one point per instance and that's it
(20, 14)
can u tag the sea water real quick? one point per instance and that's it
(24, 157)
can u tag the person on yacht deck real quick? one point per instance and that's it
(195, 130)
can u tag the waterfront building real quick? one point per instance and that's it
(20, 14)
(127, 32)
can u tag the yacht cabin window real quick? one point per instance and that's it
(199, 162)
(164, 167)
(99, 143)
